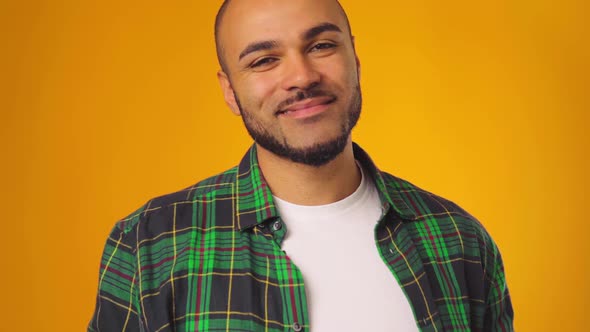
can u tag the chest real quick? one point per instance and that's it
(249, 282)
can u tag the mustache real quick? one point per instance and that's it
(302, 95)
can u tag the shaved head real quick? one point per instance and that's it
(219, 22)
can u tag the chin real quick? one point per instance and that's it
(310, 143)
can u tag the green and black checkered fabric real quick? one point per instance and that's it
(207, 259)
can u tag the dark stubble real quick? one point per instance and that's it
(316, 155)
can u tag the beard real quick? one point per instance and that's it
(317, 154)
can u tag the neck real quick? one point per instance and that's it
(309, 185)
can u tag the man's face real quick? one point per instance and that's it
(292, 74)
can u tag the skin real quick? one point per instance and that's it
(266, 80)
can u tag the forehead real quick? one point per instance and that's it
(246, 21)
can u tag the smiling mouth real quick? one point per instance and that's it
(313, 105)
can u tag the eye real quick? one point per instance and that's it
(262, 62)
(322, 46)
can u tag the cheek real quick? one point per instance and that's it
(258, 91)
(341, 72)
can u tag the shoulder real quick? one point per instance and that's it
(431, 209)
(441, 222)
(421, 202)
(157, 208)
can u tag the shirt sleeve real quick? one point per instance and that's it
(499, 315)
(117, 305)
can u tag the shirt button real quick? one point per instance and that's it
(297, 327)
(277, 226)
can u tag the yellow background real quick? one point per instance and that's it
(107, 104)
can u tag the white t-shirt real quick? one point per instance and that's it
(348, 286)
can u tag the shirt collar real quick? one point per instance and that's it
(389, 187)
(256, 205)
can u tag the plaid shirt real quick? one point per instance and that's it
(209, 258)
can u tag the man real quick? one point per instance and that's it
(306, 233)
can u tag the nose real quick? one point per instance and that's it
(299, 73)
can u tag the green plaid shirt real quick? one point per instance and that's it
(208, 259)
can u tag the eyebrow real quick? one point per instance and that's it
(318, 29)
(306, 35)
(258, 46)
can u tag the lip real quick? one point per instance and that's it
(307, 107)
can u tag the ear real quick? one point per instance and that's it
(228, 92)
